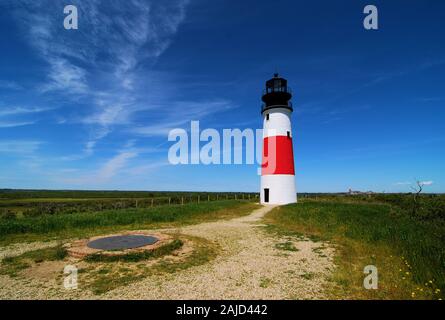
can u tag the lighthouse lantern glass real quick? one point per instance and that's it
(276, 85)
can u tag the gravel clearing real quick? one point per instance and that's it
(249, 266)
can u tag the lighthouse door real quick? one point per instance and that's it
(266, 195)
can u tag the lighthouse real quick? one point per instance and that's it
(277, 171)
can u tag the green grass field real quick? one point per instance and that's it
(404, 239)
(62, 226)
(14, 194)
(409, 251)
(32, 203)
(122, 270)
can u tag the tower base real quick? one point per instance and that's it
(278, 189)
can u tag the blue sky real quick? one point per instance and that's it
(91, 108)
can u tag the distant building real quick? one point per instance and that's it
(355, 192)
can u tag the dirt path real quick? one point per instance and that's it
(249, 266)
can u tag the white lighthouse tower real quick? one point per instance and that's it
(278, 171)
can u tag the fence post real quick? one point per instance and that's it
(199, 198)
(182, 201)
(208, 197)
(217, 197)
(236, 196)
(169, 201)
(152, 202)
(136, 204)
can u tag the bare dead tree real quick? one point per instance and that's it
(417, 191)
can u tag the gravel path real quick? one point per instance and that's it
(250, 266)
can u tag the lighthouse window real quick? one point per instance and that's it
(267, 116)
(288, 134)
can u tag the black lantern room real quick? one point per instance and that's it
(277, 94)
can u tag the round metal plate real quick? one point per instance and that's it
(122, 242)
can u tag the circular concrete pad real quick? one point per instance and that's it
(122, 242)
(148, 241)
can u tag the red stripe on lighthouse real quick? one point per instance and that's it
(278, 156)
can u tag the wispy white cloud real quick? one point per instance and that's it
(158, 129)
(113, 38)
(100, 61)
(146, 168)
(104, 173)
(66, 76)
(407, 183)
(112, 166)
(19, 146)
(124, 164)
(112, 113)
(14, 110)
(403, 183)
(180, 114)
(106, 66)
(12, 124)
(11, 117)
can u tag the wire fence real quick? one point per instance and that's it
(69, 206)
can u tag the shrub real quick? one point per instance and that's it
(8, 214)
